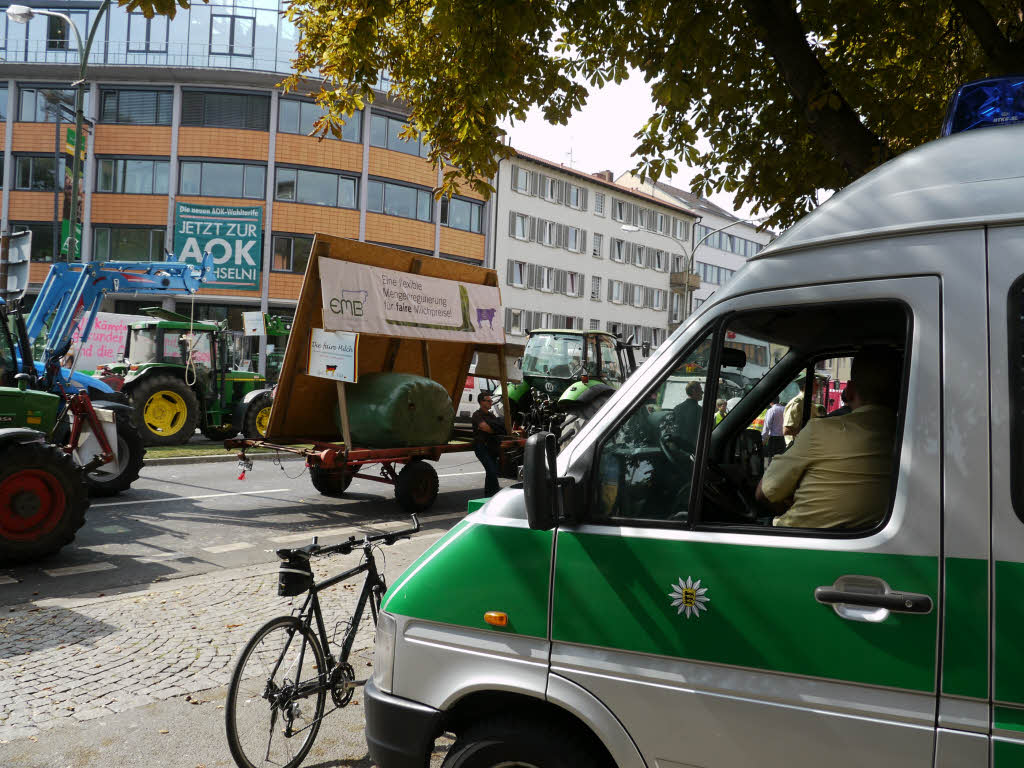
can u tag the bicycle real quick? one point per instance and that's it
(290, 681)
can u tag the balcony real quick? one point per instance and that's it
(682, 279)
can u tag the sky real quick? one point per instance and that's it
(600, 137)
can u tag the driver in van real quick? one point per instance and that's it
(839, 470)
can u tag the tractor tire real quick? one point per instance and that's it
(257, 417)
(330, 482)
(42, 501)
(218, 434)
(417, 486)
(166, 410)
(130, 454)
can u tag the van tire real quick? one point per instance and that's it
(519, 742)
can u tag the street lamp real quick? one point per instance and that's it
(22, 14)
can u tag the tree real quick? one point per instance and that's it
(792, 98)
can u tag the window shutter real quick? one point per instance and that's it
(515, 175)
(534, 182)
(583, 199)
(192, 108)
(561, 191)
(561, 279)
(529, 276)
(611, 283)
(512, 223)
(583, 241)
(563, 235)
(531, 229)
(511, 268)
(508, 317)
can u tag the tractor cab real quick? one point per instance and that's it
(555, 359)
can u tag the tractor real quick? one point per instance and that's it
(181, 374)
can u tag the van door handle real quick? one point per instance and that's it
(897, 602)
(870, 599)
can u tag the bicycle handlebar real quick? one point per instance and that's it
(346, 547)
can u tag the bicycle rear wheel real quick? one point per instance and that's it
(264, 697)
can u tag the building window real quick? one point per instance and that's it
(549, 233)
(520, 179)
(514, 321)
(217, 109)
(573, 284)
(519, 226)
(316, 188)
(576, 197)
(296, 116)
(3, 102)
(232, 35)
(595, 288)
(57, 32)
(679, 228)
(596, 251)
(551, 189)
(223, 180)
(615, 288)
(146, 35)
(618, 210)
(132, 177)
(619, 250)
(517, 274)
(599, 203)
(399, 200)
(384, 133)
(640, 256)
(38, 174)
(574, 239)
(462, 214)
(40, 105)
(128, 243)
(547, 279)
(291, 252)
(130, 107)
(42, 238)
(660, 261)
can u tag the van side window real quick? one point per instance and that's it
(783, 450)
(1015, 313)
(646, 465)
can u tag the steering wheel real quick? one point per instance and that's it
(668, 442)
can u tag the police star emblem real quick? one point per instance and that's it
(690, 597)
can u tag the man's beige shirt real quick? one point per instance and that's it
(838, 470)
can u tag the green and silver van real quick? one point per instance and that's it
(632, 603)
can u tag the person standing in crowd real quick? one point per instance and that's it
(720, 411)
(487, 429)
(793, 416)
(771, 432)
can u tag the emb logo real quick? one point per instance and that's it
(350, 303)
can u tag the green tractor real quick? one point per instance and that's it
(181, 374)
(567, 376)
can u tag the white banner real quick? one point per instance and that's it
(334, 355)
(252, 324)
(382, 301)
(106, 341)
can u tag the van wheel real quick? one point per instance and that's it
(500, 743)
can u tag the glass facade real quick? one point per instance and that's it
(232, 34)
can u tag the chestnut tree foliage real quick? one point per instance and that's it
(792, 97)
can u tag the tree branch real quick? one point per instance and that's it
(833, 122)
(1006, 55)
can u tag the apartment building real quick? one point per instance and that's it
(575, 250)
(724, 243)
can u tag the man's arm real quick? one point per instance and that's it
(783, 475)
(480, 422)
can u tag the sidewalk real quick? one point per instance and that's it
(77, 660)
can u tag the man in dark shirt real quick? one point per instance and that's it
(486, 431)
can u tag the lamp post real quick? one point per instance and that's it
(687, 293)
(22, 14)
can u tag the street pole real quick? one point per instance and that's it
(687, 292)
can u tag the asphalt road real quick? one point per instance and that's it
(189, 519)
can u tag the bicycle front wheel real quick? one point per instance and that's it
(276, 696)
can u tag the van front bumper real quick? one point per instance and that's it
(399, 733)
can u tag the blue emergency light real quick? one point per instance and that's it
(993, 101)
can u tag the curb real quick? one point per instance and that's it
(217, 458)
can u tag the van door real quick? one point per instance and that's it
(727, 642)
(1006, 350)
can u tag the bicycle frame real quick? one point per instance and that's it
(311, 609)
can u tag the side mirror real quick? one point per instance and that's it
(539, 484)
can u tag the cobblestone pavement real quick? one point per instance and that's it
(87, 658)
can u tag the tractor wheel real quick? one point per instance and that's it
(257, 417)
(219, 433)
(42, 501)
(417, 486)
(330, 482)
(166, 410)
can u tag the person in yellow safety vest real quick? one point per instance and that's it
(758, 423)
(720, 411)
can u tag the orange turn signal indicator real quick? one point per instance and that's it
(496, 618)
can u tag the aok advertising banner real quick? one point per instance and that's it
(233, 235)
(366, 299)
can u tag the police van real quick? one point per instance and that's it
(632, 604)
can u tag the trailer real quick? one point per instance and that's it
(410, 314)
